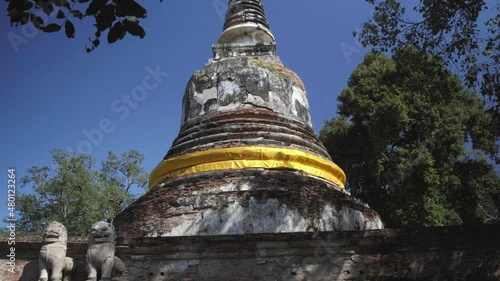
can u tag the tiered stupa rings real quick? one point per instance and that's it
(246, 22)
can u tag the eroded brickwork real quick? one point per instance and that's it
(244, 202)
(448, 253)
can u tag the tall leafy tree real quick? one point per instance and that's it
(402, 136)
(465, 34)
(75, 193)
(118, 175)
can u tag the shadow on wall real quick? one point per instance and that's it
(31, 273)
(245, 202)
(449, 256)
(443, 253)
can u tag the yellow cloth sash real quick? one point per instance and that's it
(237, 158)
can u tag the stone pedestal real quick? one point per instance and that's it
(245, 202)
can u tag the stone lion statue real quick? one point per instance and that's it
(101, 253)
(52, 256)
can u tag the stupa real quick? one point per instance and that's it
(246, 159)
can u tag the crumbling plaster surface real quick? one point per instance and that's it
(269, 217)
(230, 84)
(245, 127)
(244, 202)
(442, 253)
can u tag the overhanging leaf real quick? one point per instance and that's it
(27, 5)
(15, 12)
(129, 8)
(69, 28)
(116, 32)
(95, 6)
(77, 14)
(105, 18)
(134, 28)
(25, 18)
(46, 6)
(60, 14)
(62, 3)
(37, 21)
(53, 27)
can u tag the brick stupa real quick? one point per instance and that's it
(246, 159)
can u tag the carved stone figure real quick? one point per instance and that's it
(52, 256)
(101, 253)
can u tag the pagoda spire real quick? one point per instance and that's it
(246, 23)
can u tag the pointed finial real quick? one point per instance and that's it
(246, 23)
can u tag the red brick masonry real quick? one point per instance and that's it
(446, 253)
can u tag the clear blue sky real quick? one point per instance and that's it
(52, 90)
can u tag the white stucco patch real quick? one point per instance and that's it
(207, 95)
(256, 100)
(374, 224)
(276, 103)
(300, 96)
(346, 219)
(226, 91)
(270, 216)
(178, 266)
(235, 187)
(328, 221)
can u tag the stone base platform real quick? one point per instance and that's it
(444, 253)
(244, 202)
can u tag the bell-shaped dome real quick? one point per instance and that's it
(246, 109)
(242, 108)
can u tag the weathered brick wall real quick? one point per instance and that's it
(245, 201)
(450, 253)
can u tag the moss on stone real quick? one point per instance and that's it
(272, 67)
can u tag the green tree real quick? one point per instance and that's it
(75, 193)
(464, 33)
(401, 138)
(118, 17)
(118, 176)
